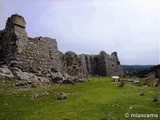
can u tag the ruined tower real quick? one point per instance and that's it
(13, 38)
(38, 55)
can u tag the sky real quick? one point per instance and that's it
(129, 27)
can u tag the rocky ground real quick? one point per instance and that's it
(97, 98)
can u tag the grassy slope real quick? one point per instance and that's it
(98, 99)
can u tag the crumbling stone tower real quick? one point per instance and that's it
(13, 38)
(38, 55)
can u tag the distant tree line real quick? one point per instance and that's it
(155, 70)
(136, 67)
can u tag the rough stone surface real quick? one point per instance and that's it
(39, 58)
(5, 72)
(102, 64)
(62, 96)
(157, 83)
(72, 64)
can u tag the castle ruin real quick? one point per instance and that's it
(39, 58)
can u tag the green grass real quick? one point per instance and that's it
(98, 99)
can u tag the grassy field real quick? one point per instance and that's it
(97, 99)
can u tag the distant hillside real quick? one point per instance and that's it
(136, 67)
(153, 70)
(132, 70)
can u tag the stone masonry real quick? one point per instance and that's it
(39, 58)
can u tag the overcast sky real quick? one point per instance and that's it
(130, 27)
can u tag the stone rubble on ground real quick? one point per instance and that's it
(62, 96)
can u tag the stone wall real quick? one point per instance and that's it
(102, 64)
(85, 65)
(1, 59)
(41, 57)
(72, 64)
